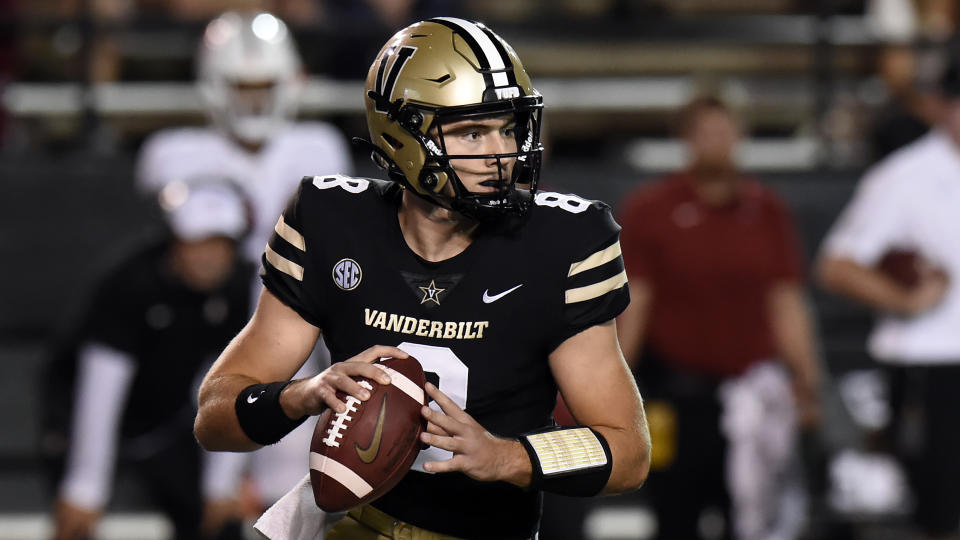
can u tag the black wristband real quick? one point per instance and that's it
(260, 415)
(582, 476)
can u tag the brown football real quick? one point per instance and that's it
(902, 266)
(359, 455)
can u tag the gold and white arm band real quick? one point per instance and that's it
(569, 461)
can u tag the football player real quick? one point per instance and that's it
(250, 76)
(503, 293)
(157, 320)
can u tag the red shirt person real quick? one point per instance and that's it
(711, 268)
(716, 282)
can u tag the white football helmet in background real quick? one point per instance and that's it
(249, 74)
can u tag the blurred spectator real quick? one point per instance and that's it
(717, 312)
(157, 321)
(895, 248)
(908, 63)
(249, 75)
(906, 114)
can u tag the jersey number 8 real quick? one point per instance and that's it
(453, 382)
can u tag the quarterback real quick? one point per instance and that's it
(503, 293)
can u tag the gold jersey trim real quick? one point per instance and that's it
(283, 264)
(289, 234)
(603, 256)
(582, 294)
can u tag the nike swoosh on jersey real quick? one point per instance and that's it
(487, 299)
(368, 454)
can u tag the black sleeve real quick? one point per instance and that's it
(287, 271)
(595, 289)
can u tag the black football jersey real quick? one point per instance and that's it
(481, 323)
(171, 332)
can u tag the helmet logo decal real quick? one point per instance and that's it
(385, 86)
(432, 147)
(347, 274)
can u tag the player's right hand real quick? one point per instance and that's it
(928, 292)
(74, 522)
(311, 396)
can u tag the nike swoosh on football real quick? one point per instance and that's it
(368, 454)
(487, 299)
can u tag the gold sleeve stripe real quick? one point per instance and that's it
(582, 294)
(283, 264)
(290, 235)
(567, 450)
(601, 257)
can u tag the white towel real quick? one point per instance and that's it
(294, 517)
(763, 476)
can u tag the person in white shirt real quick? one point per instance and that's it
(249, 75)
(909, 203)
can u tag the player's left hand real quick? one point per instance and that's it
(476, 452)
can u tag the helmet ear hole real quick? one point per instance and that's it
(429, 180)
(393, 142)
(411, 119)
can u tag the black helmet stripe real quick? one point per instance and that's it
(400, 57)
(492, 61)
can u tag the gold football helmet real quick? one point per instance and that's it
(440, 71)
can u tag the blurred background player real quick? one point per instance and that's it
(249, 74)
(896, 248)
(717, 310)
(157, 320)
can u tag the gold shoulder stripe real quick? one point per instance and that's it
(601, 257)
(582, 294)
(290, 235)
(283, 264)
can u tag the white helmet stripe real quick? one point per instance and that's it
(486, 45)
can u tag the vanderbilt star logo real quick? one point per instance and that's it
(431, 293)
(368, 454)
(428, 288)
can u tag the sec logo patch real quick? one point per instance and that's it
(347, 274)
